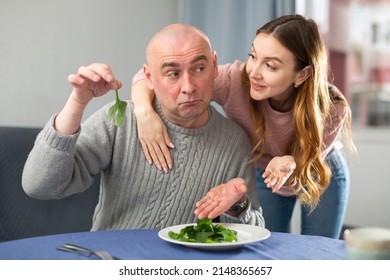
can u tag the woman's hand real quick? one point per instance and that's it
(278, 170)
(154, 139)
(220, 198)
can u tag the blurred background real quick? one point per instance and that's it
(43, 41)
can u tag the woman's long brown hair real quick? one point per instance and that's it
(311, 111)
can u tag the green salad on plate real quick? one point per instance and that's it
(205, 232)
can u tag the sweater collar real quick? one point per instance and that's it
(189, 131)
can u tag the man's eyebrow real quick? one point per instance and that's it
(169, 64)
(201, 57)
(175, 64)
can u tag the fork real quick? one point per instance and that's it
(72, 248)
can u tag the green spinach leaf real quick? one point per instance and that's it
(205, 232)
(118, 110)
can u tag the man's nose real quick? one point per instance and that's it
(187, 86)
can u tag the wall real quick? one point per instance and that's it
(43, 41)
(369, 203)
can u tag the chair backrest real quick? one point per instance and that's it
(22, 216)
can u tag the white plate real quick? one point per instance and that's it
(246, 234)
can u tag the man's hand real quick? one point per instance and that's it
(278, 170)
(94, 80)
(220, 198)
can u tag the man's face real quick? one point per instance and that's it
(182, 73)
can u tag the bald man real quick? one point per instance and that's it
(211, 172)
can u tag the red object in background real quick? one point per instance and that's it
(381, 75)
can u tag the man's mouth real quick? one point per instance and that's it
(190, 102)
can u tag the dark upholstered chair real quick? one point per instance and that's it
(22, 216)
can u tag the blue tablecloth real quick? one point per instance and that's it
(145, 245)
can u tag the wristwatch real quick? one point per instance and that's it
(239, 206)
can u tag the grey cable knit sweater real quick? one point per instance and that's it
(134, 194)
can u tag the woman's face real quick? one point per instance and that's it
(271, 70)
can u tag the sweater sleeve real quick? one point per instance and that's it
(61, 165)
(228, 80)
(336, 121)
(138, 76)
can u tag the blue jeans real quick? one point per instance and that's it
(326, 220)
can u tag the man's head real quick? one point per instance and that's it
(181, 68)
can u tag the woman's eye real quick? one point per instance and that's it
(269, 66)
(251, 55)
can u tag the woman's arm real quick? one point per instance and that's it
(152, 132)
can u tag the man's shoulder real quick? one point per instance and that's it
(227, 123)
(231, 136)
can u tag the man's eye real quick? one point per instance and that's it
(199, 69)
(172, 74)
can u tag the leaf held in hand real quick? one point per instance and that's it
(118, 110)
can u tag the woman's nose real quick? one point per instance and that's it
(255, 71)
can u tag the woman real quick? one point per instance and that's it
(282, 98)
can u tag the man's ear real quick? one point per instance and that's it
(215, 64)
(148, 77)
